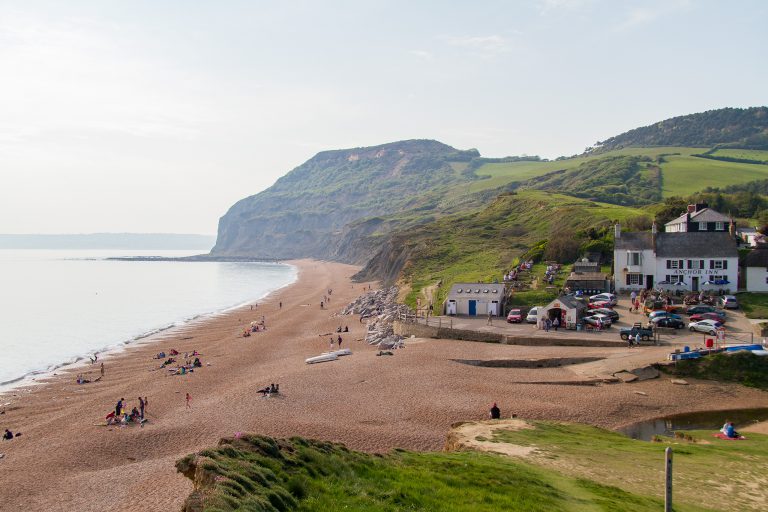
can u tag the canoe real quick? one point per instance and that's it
(340, 352)
(321, 358)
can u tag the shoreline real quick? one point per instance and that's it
(369, 403)
(41, 376)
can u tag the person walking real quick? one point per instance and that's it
(556, 323)
(339, 340)
(102, 369)
(119, 407)
(141, 407)
(281, 304)
(490, 318)
(495, 413)
(146, 403)
(189, 399)
(331, 344)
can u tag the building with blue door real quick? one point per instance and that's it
(475, 299)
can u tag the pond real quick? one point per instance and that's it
(705, 420)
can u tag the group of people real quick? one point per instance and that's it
(121, 415)
(551, 272)
(546, 323)
(272, 389)
(191, 361)
(512, 274)
(332, 341)
(729, 430)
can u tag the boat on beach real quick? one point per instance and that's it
(322, 358)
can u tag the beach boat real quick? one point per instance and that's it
(340, 352)
(321, 358)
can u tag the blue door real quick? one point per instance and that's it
(473, 307)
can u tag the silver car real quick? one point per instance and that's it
(729, 302)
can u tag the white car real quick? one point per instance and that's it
(533, 315)
(708, 326)
(605, 297)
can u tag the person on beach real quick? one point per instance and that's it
(102, 369)
(281, 304)
(141, 407)
(339, 340)
(331, 342)
(8, 435)
(556, 323)
(189, 399)
(346, 329)
(321, 305)
(495, 413)
(119, 407)
(490, 318)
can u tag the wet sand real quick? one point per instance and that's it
(374, 403)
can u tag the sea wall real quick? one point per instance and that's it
(407, 329)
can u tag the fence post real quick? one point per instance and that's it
(440, 322)
(668, 479)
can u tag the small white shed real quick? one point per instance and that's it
(568, 309)
(475, 299)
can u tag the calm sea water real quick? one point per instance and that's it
(58, 306)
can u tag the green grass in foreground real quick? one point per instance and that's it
(707, 473)
(754, 305)
(257, 474)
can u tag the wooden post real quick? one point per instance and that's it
(668, 478)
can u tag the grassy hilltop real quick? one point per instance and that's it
(572, 468)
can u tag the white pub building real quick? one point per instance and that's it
(675, 260)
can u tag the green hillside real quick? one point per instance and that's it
(256, 473)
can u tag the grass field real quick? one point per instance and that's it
(256, 473)
(683, 175)
(754, 305)
(748, 154)
(724, 475)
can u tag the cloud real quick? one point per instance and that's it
(422, 54)
(650, 12)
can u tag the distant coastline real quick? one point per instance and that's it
(198, 258)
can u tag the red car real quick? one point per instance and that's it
(515, 316)
(708, 316)
(599, 304)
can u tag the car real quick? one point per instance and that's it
(533, 315)
(728, 302)
(597, 320)
(599, 304)
(645, 334)
(515, 316)
(701, 308)
(614, 316)
(708, 316)
(659, 305)
(708, 326)
(604, 297)
(666, 321)
(659, 313)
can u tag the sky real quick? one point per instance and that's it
(157, 116)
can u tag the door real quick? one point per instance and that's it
(649, 282)
(472, 307)
(493, 308)
(451, 307)
(695, 284)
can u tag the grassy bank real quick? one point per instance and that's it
(260, 474)
(742, 367)
(754, 305)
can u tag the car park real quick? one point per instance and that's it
(728, 302)
(614, 316)
(666, 321)
(533, 315)
(605, 297)
(706, 326)
(701, 308)
(515, 316)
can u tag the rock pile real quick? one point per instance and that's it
(381, 307)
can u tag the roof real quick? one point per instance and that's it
(634, 241)
(569, 302)
(476, 290)
(587, 276)
(758, 257)
(746, 231)
(703, 215)
(696, 244)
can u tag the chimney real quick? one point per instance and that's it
(654, 229)
(691, 208)
(653, 235)
(617, 231)
(732, 228)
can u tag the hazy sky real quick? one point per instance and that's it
(156, 116)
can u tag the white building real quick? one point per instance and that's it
(475, 299)
(690, 261)
(756, 264)
(698, 218)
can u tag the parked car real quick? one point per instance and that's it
(660, 305)
(659, 313)
(701, 308)
(533, 313)
(728, 302)
(604, 297)
(708, 326)
(645, 334)
(515, 316)
(708, 316)
(597, 320)
(614, 316)
(599, 304)
(666, 321)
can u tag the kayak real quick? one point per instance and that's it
(321, 358)
(340, 352)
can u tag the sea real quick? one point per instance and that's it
(58, 307)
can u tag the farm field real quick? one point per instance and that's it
(747, 154)
(683, 175)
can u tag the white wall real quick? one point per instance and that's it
(756, 279)
(647, 267)
(731, 273)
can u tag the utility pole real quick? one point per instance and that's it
(668, 478)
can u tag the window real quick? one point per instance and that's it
(702, 226)
(696, 264)
(719, 226)
(675, 264)
(635, 279)
(634, 258)
(714, 278)
(718, 264)
(674, 279)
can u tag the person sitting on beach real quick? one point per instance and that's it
(495, 413)
(346, 328)
(264, 391)
(8, 435)
(197, 363)
(82, 380)
(174, 352)
(135, 415)
(160, 355)
(729, 430)
(272, 388)
(246, 333)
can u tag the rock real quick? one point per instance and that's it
(625, 376)
(648, 372)
(680, 382)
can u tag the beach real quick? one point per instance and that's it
(66, 460)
